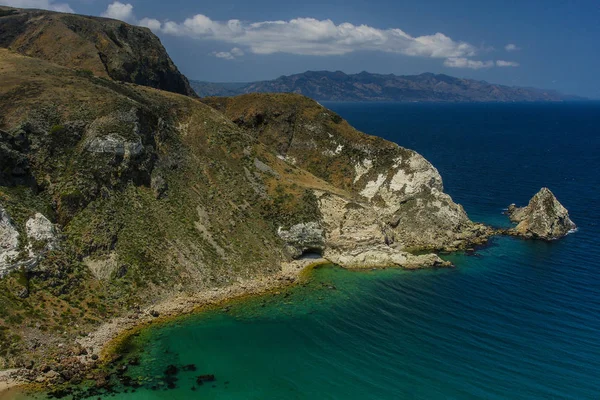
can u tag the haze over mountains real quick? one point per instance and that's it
(426, 87)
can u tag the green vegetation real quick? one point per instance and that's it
(155, 194)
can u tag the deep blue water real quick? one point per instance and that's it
(521, 320)
(490, 155)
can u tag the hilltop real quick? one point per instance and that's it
(427, 87)
(98, 46)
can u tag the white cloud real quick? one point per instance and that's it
(309, 36)
(511, 47)
(236, 51)
(223, 54)
(502, 63)
(153, 24)
(461, 62)
(120, 11)
(229, 55)
(41, 4)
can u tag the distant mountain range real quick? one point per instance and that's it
(427, 87)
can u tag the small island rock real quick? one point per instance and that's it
(543, 218)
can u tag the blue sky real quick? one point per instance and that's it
(550, 44)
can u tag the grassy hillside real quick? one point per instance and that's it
(192, 202)
(157, 195)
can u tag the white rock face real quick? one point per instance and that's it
(117, 134)
(362, 168)
(372, 187)
(419, 173)
(407, 199)
(9, 242)
(42, 236)
(332, 153)
(408, 176)
(303, 237)
(40, 230)
(356, 237)
(114, 144)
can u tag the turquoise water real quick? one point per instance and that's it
(518, 320)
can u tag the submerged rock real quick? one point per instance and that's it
(543, 218)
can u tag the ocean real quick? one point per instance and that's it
(517, 320)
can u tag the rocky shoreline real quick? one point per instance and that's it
(101, 347)
(97, 349)
(8, 382)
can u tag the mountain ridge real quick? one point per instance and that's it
(366, 86)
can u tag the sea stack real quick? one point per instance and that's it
(543, 218)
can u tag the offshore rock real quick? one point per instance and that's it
(543, 218)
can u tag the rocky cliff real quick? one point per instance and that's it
(99, 46)
(391, 192)
(543, 218)
(114, 196)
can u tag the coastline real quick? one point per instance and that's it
(9, 385)
(103, 345)
(104, 342)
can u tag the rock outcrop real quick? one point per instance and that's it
(303, 238)
(543, 218)
(41, 236)
(100, 46)
(357, 236)
(9, 242)
(394, 196)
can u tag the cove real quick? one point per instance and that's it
(470, 332)
(517, 320)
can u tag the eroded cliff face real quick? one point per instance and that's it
(9, 242)
(394, 199)
(99, 46)
(25, 251)
(543, 218)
